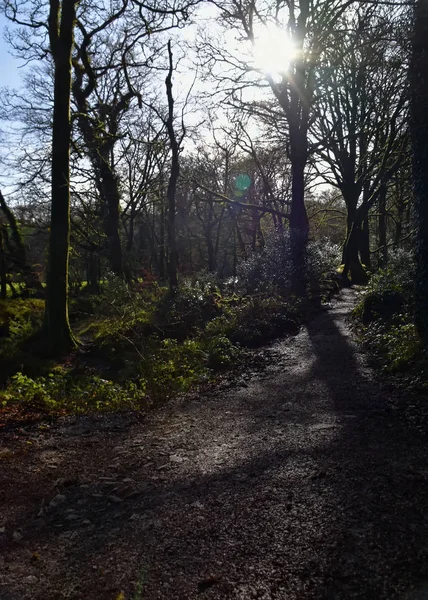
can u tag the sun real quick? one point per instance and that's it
(273, 51)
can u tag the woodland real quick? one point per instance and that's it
(184, 180)
(214, 248)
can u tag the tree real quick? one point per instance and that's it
(62, 16)
(360, 126)
(18, 255)
(305, 27)
(419, 129)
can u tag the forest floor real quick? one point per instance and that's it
(298, 480)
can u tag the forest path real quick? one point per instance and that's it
(296, 483)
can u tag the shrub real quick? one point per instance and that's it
(61, 391)
(255, 320)
(181, 315)
(398, 276)
(272, 269)
(171, 368)
(220, 352)
(385, 314)
(385, 305)
(19, 321)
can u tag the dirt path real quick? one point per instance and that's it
(296, 483)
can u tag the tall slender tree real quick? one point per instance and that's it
(62, 16)
(419, 126)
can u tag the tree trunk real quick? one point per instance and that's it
(218, 235)
(353, 265)
(92, 274)
(57, 322)
(350, 195)
(419, 131)
(400, 214)
(210, 250)
(3, 280)
(299, 222)
(173, 179)
(383, 250)
(100, 149)
(162, 240)
(365, 244)
(111, 195)
(355, 219)
(30, 278)
(235, 257)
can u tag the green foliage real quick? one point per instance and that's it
(221, 352)
(61, 391)
(256, 319)
(19, 321)
(172, 368)
(398, 276)
(35, 394)
(195, 304)
(385, 315)
(144, 345)
(394, 346)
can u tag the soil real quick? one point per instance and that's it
(298, 480)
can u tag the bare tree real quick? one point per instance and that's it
(360, 125)
(419, 111)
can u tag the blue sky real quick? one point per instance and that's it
(9, 67)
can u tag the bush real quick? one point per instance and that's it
(171, 368)
(256, 320)
(385, 315)
(183, 314)
(385, 305)
(398, 276)
(61, 391)
(272, 269)
(220, 352)
(19, 321)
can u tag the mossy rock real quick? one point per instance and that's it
(383, 305)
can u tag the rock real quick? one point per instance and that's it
(30, 579)
(5, 453)
(115, 499)
(205, 584)
(72, 517)
(3, 529)
(17, 536)
(86, 522)
(174, 458)
(162, 467)
(57, 500)
(322, 426)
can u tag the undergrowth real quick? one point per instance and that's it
(385, 321)
(142, 345)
